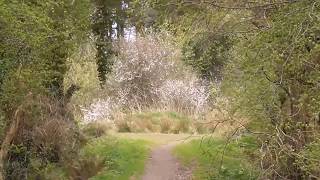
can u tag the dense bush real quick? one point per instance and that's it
(207, 53)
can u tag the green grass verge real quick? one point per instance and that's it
(206, 158)
(122, 158)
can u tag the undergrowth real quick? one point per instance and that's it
(214, 159)
(102, 158)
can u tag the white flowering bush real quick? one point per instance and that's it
(99, 110)
(141, 68)
(148, 74)
(184, 95)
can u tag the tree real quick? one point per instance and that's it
(36, 40)
(108, 23)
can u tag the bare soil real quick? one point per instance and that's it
(163, 165)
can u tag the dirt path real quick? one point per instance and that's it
(164, 166)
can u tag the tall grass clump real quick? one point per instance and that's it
(42, 133)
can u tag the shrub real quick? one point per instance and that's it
(140, 69)
(188, 95)
(148, 72)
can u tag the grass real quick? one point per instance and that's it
(158, 138)
(164, 122)
(206, 157)
(123, 159)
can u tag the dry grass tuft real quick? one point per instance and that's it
(85, 168)
(41, 129)
(96, 129)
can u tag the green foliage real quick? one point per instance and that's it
(269, 53)
(217, 159)
(309, 159)
(22, 29)
(84, 74)
(274, 79)
(36, 39)
(198, 29)
(107, 14)
(52, 171)
(207, 53)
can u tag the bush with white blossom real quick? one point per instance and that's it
(148, 73)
